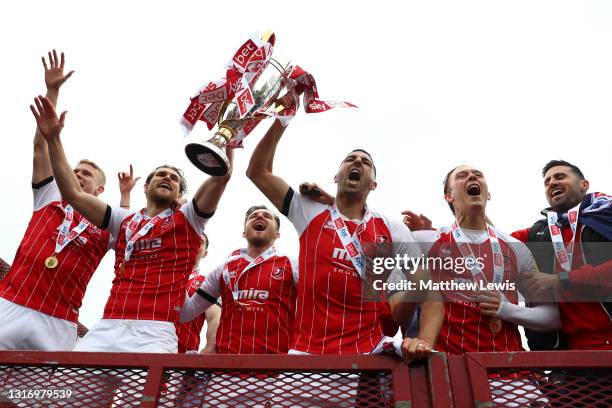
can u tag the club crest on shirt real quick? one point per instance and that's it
(328, 225)
(167, 223)
(278, 272)
(381, 239)
(94, 230)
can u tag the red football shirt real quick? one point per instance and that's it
(258, 303)
(151, 284)
(58, 291)
(465, 328)
(332, 315)
(587, 325)
(189, 333)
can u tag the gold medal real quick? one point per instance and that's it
(495, 325)
(51, 262)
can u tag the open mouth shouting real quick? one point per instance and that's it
(473, 190)
(259, 226)
(165, 185)
(354, 174)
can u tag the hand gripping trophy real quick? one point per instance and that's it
(237, 103)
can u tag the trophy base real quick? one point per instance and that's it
(208, 158)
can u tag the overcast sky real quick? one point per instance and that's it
(504, 86)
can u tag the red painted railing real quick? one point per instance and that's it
(529, 379)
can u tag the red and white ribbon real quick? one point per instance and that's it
(351, 243)
(243, 70)
(64, 234)
(131, 228)
(564, 254)
(463, 242)
(267, 254)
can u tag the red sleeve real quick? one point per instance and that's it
(521, 235)
(600, 275)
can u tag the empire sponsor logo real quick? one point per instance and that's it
(340, 253)
(147, 244)
(251, 294)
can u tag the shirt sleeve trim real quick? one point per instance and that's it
(41, 184)
(206, 296)
(287, 202)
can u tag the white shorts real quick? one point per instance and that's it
(28, 329)
(130, 336)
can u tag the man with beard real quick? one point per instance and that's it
(43, 291)
(256, 285)
(572, 249)
(155, 248)
(333, 314)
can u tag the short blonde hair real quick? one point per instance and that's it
(95, 166)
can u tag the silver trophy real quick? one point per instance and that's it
(209, 155)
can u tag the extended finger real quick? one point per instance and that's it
(409, 213)
(131, 171)
(46, 103)
(34, 112)
(62, 60)
(51, 64)
(68, 75)
(39, 106)
(44, 63)
(55, 60)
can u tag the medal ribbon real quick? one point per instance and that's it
(351, 244)
(463, 242)
(564, 254)
(267, 254)
(64, 235)
(129, 231)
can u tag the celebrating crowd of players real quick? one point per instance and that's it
(317, 302)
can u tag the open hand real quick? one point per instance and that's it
(54, 71)
(49, 125)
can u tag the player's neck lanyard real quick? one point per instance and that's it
(351, 244)
(463, 242)
(564, 254)
(129, 231)
(264, 256)
(65, 235)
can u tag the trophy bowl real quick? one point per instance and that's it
(209, 155)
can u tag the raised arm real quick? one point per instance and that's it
(50, 127)
(126, 184)
(54, 79)
(260, 169)
(210, 191)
